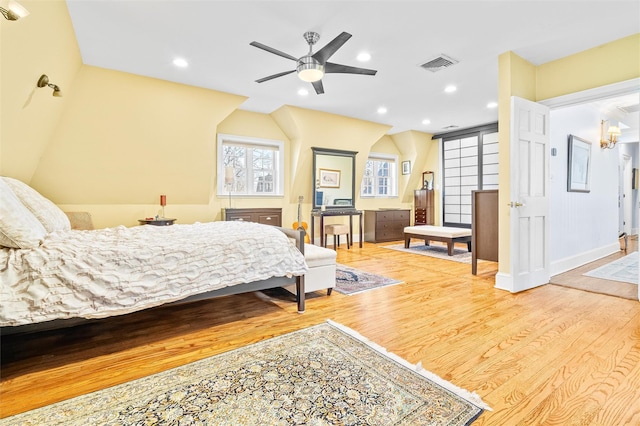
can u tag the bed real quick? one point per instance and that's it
(53, 276)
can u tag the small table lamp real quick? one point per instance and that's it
(228, 180)
(163, 202)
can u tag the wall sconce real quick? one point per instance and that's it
(613, 132)
(14, 12)
(43, 81)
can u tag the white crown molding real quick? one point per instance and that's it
(590, 95)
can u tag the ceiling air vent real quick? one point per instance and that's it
(441, 62)
(449, 127)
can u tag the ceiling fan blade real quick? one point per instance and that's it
(271, 77)
(327, 51)
(330, 67)
(318, 86)
(272, 50)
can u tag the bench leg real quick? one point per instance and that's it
(407, 242)
(450, 248)
(329, 290)
(426, 242)
(469, 246)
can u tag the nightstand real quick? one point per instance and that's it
(157, 222)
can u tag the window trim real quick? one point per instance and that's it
(248, 140)
(394, 187)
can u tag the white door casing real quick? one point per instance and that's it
(529, 212)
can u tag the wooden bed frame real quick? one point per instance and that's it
(272, 282)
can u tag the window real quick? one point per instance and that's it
(470, 162)
(250, 166)
(380, 177)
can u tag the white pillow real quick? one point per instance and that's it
(19, 228)
(49, 215)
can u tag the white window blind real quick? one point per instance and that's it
(470, 163)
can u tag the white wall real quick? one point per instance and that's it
(583, 226)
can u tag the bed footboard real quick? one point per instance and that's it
(298, 234)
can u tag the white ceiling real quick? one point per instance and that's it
(144, 36)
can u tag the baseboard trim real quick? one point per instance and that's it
(504, 281)
(572, 262)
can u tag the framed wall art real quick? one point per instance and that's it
(579, 167)
(406, 167)
(329, 178)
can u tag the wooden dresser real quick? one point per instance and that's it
(385, 225)
(423, 204)
(266, 216)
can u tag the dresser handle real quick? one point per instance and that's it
(268, 217)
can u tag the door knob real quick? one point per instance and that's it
(515, 204)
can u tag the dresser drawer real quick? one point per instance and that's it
(401, 215)
(241, 217)
(269, 219)
(266, 216)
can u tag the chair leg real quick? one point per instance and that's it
(325, 240)
(349, 243)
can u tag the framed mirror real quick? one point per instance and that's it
(334, 178)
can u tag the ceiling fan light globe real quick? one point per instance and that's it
(310, 75)
(309, 69)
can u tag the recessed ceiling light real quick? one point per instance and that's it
(492, 105)
(426, 121)
(303, 92)
(363, 57)
(450, 88)
(180, 62)
(382, 110)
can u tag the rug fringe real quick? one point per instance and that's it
(470, 396)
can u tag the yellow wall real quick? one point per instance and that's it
(606, 64)
(116, 141)
(603, 65)
(42, 43)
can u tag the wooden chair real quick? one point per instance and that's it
(336, 230)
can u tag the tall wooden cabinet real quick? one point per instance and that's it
(424, 209)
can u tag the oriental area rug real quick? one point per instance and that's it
(352, 281)
(322, 375)
(434, 250)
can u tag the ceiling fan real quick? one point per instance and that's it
(312, 66)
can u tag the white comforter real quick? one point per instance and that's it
(100, 273)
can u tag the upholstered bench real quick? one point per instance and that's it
(446, 234)
(322, 269)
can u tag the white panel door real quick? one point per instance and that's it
(530, 262)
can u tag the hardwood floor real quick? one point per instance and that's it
(552, 355)
(575, 278)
